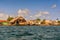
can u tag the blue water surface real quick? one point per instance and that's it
(29, 32)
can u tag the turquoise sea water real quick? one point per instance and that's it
(30, 33)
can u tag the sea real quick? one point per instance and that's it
(29, 32)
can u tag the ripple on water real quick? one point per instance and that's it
(30, 33)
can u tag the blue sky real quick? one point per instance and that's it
(44, 9)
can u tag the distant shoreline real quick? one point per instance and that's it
(30, 25)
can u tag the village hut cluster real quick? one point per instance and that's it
(22, 21)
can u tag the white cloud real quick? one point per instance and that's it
(54, 6)
(23, 12)
(31, 16)
(41, 13)
(45, 12)
(37, 15)
(3, 16)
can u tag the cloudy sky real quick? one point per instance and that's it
(30, 9)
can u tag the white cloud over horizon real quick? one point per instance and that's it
(40, 14)
(3, 16)
(54, 6)
(23, 12)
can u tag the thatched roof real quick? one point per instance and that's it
(20, 18)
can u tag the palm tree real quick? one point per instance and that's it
(9, 18)
(38, 20)
(43, 22)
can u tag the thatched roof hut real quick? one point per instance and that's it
(17, 20)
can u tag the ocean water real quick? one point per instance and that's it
(29, 32)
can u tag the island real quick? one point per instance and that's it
(21, 21)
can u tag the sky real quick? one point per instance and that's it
(30, 9)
